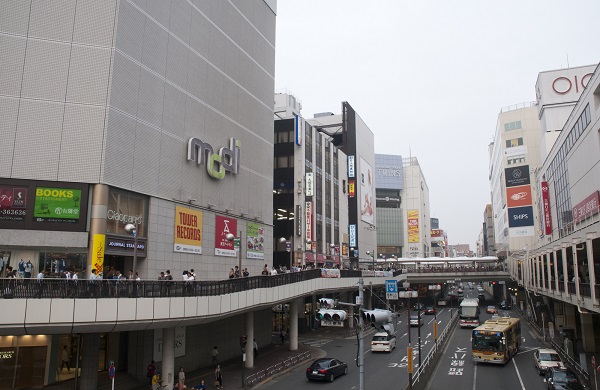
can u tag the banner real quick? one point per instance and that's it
(188, 231)
(224, 226)
(98, 248)
(330, 273)
(255, 241)
(56, 204)
(413, 226)
(587, 207)
(518, 196)
(308, 217)
(310, 184)
(366, 193)
(546, 206)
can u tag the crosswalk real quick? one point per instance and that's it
(315, 342)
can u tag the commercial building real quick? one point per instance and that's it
(155, 114)
(389, 183)
(417, 241)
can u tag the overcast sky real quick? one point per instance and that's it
(430, 77)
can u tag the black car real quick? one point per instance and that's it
(562, 378)
(326, 369)
(505, 305)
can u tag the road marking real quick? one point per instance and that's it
(475, 377)
(518, 374)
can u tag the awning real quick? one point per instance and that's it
(320, 258)
(309, 257)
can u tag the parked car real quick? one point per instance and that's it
(491, 309)
(416, 321)
(562, 378)
(383, 342)
(505, 305)
(326, 369)
(544, 359)
(429, 310)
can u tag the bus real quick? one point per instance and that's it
(496, 341)
(469, 313)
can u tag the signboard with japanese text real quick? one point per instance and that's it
(188, 231)
(56, 205)
(546, 207)
(351, 188)
(13, 203)
(255, 241)
(308, 217)
(98, 248)
(223, 227)
(352, 234)
(351, 167)
(413, 226)
(310, 184)
(587, 207)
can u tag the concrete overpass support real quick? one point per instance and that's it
(294, 325)
(249, 349)
(587, 333)
(168, 357)
(89, 363)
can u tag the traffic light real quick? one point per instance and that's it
(382, 320)
(328, 315)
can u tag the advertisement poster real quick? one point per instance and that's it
(188, 231)
(56, 205)
(517, 176)
(520, 216)
(546, 204)
(255, 241)
(413, 226)
(224, 226)
(13, 202)
(366, 192)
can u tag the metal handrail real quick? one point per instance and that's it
(261, 375)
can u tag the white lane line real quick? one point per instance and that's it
(518, 374)
(475, 377)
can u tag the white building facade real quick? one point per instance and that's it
(415, 195)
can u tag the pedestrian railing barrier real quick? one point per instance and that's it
(260, 376)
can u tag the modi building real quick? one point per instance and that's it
(156, 114)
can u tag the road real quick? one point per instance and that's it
(454, 371)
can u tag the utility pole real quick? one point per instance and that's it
(361, 353)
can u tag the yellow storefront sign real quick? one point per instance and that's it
(413, 225)
(98, 245)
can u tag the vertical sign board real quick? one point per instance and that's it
(98, 244)
(351, 188)
(224, 226)
(413, 226)
(366, 193)
(310, 184)
(298, 220)
(308, 228)
(352, 235)
(351, 167)
(188, 231)
(298, 130)
(546, 204)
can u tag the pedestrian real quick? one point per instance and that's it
(273, 271)
(181, 379)
(156, 381)
(169, 282)
(215, 357)
(201, 386)
(150, 371)
(265, 271)
(246, 273)
(237, 272)
(255, 347)
(218, 377)
(282, 335)
(231, 273)
(64, 357)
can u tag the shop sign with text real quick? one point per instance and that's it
(518, 196)
(13, 203)
(351, 166)
(587, 207)
(98, 245)
(413, 226)
(308, 218)
(223, 227)
(520, 216)
(226, 160)
(517, 176)
(546, 204)
(56, 205)
(255, 241)
(310, 184)
(352, 235)
(188, 231)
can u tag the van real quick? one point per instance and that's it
(383, 342)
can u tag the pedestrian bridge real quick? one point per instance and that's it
(60, 306)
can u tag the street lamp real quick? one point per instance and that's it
(133, 229)
(288, 247)
(372, 257)
(230, 237)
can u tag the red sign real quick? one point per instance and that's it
(224, 226)
(585, 208)
(518, 196)
(13, 202)
(351, 188)
(546, 204)
(436, 233)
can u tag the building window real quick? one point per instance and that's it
(512, 126)
(511, 143)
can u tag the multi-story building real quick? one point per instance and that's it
(514, 156)
(417, 241)
(488, 240)
(562, 267)
(389, 183)
(155, 114)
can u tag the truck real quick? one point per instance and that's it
(469, 313)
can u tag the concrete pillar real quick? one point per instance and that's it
(294, 325)
(249, 350)
(168, 357)
(565, 269)
(555, 260)
(591, 267)
(548, 272)
(97, 228)
(587, 333)
(89, 363)
(576, 269)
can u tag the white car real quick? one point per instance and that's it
(383, 342)
(546, 358)
(414, 321)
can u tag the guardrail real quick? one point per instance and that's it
(427, 365)
(260, 376)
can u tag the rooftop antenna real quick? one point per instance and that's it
(568, 60)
